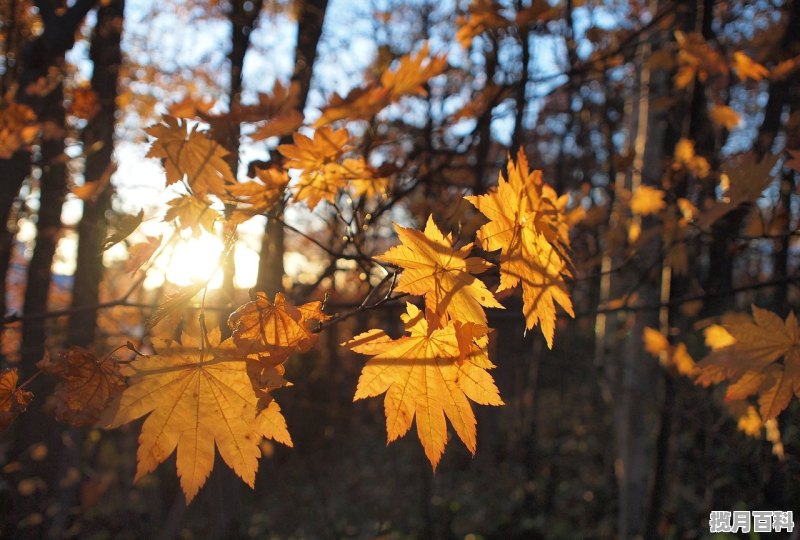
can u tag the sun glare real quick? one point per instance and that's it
(196, 259)
(193, 260)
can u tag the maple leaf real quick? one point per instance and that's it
(192, 212)
(13, 399)
(750, 361)
(194, 398)
(274, 329)
(685, 156)
(190, 155)
(527, 223)
(647, 200)
(17, 127)
(442, 274)
(140, 253)
(412, 72)
(746, 68)
(260, 195)
(361, 177)
(725, 116)
(676, 357)
(86, 384)
(428, 375)
(84, 104)
(314, 157)
(409, 77)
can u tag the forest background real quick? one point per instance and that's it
(188, 187)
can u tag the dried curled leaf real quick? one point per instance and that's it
(274, 329)
(13, 400)
(86, 384)
(428, 374)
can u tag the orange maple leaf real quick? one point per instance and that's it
(274, 329)
(749, 359)
(86, 384)
(528, 224)
(13, 400)
(258, 196)
(442, 274)
(195, 397)
(188, 154)
(428, 374)
(313, 157)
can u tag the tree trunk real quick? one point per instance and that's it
(98, 142)
(52, 189)
(37, 57)
(310, 17)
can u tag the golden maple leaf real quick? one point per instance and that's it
(86, 384)
(195, 397)
(443, 275)
(409, 77)
(749, 359)
(274, 329)
(528, 224)
(188, 154)
(192, 212)
(13, 399)
(361, 177)
(725, 116)
(747, 68)
(429, 375)
(258, 196)
(647, 200)
(413, 70)
(314, 157)
(676, 357)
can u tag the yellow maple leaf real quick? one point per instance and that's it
(428, 375)
(647, 200)
(528, 224)
(362, 178)
(188, 154)
(751, 362)
(194, 397)
(685, 156)
(413, 70)
(747, 68)
(676, 357)
(314, 158)
(192, 212)
(442, 274)
(725, 116)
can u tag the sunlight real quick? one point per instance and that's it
(192, 260)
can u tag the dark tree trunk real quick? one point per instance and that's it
(310, 17)
(98, 140)
(37, 57)
(52, 188)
